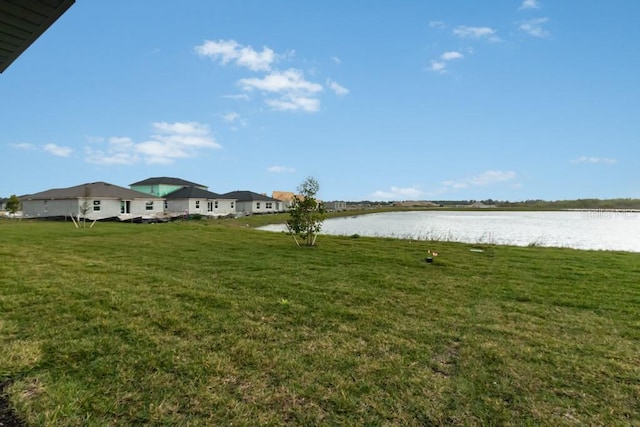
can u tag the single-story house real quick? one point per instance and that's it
(96, 200)
(161, 186)
(285, 199)
(479, 205)
(335, 206)
(194, 200)
(253, 203)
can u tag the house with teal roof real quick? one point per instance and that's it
(161, 186)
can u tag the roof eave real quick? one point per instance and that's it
(28, 41)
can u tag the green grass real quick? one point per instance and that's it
(216, 323)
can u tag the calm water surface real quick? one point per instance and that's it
(604, 230)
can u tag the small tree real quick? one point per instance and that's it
(306, 213)
(13, 204)
(85, 206)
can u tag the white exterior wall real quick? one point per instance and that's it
(48, 208)
(139, 207)
(243, 207)
(284, 205)
(336, 206)
(225, 206)
(109, 208)
(252, 207)
(202, 206)
(177, 205)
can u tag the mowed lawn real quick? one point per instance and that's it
(216, 323)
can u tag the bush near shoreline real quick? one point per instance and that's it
(213, 322)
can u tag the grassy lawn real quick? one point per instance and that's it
(216, 323)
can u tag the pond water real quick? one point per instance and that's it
(598, 229)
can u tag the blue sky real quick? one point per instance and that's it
(378, 100)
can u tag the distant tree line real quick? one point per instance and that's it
(575, 204)
(621, 203)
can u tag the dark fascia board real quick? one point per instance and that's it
(60, 8)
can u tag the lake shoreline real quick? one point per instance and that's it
(597, 229)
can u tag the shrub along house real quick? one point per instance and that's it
(195, 200)
(253, 203)
(96, 200)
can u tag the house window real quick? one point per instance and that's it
(149, 206)
(232, 203)
(268, 205)
(166, 204)
(257, 205)
(197, 204)
(209, 206)
(215, 204)
(96, 205)
(45, 206)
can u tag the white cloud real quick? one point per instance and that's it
(436, 24)
(234, 118)
(438, 66)
(399, 193)
(465, 32)
(242, 96)
(56, 150)
(283, 90)
(292, 102)
(280, 169)
(296, 93)
(23, 146)
(159, 152)
(231, 51)
(485, 178)
(231, 117)
(530, 4)
(338, 89)
(448, 56)
(119, 151)
(533, 27)
(602, 160)
(281, 81)
(170, 141)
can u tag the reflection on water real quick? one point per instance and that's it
(606, 230)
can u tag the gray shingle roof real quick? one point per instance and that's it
(247, 196)
(167, 180)
(93, 190)
(193, 193)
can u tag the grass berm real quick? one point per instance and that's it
(216, 323)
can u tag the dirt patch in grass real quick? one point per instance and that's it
(8, 417)
(445, 362)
